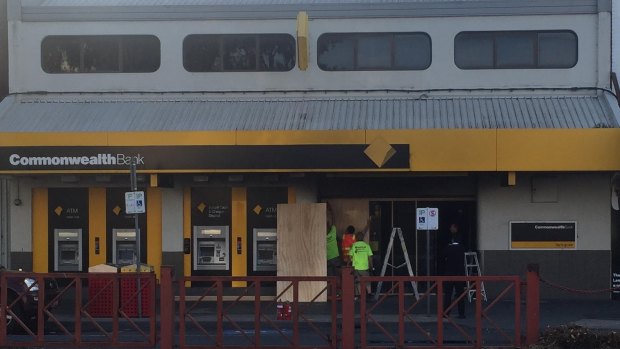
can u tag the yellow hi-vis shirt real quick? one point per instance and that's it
(332, 244)
(360, 251)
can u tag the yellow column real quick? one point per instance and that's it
(239, 231)
(96, 225)
(153, 228)
(40, 230)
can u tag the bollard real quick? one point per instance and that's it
(348, 307)
(532, 304)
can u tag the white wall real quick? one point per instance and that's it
(21, 216)
(582, 197)
(25, 73)
(172, 220)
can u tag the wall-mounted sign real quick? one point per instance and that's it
(220, 157)
(543, 235)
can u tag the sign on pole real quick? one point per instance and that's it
(134, 202)
(427, 218)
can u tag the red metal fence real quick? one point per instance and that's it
(283, 321)
(93, 310)
(100, 309)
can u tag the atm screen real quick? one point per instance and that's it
(207, 251)
(125, 255)
(265, 254)
(68, 257)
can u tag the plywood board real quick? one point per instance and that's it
(349, 212)
(301, 248)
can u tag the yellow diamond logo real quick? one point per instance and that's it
(117, 210)
(379, 151)
(58, 210)
(257, 209)
(201, 207)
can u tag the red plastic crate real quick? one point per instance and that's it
(129, 297)
(100, 296)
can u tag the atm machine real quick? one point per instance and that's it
(67, 247)
(265, 249)
(124, 249)
(211, 244)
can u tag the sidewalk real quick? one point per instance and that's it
(599, 315)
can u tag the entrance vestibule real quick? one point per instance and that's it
(387, 214)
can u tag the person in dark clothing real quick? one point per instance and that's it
(454, 264)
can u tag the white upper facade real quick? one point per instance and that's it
(31, 21)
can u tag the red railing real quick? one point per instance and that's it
(99, 309)
(248, 320)
(398, 319)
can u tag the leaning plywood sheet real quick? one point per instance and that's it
(301, 248)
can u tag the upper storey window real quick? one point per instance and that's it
(515, 50)
(238, 52)
(374, 51)
(100, 54)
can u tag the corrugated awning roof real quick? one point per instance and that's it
(197, 112)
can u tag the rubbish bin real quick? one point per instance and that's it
(129, 291)
(100, 291)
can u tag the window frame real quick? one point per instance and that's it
(535, 36)
(118, 39)
(221, 44)
(355, 37)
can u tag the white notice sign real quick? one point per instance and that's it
(134, 202)
(427, 218)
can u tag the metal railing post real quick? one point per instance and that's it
(166, 307)
(532, 303)
(348, 308)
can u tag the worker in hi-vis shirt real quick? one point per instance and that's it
(333, 254)
(361, 258)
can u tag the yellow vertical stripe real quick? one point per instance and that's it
(187, 231)
(154, 228)
(292, 195)
(96, 225)
(40, 232)
(239, 231)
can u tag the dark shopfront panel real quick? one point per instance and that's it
(67, 212)
(397, 186)
(387, 214)
(262, 214)
(211, 207)
(118, 219)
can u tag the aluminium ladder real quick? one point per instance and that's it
(407, 262)
(472, 268)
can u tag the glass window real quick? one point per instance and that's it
(141, 58)
(238, 52)
(515, 49)
(374, 51)
(550, 45)
(473, 50)
(336, 53)
(100, 54)
(412, 51)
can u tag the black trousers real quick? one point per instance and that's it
(458, 287)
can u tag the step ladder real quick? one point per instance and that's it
(472, 268)
(407, 263)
